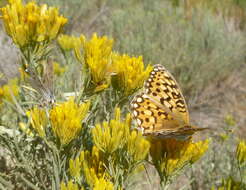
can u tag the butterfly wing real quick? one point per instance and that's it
(43, 84)
(47, 81)
(151, 117)
(181, 133)
(155, 121)
(163, 89)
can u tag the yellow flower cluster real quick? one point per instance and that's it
(171, 155)
(108, 137)
(116, 135)
(66, 119)
(137, 146)
(97, 57)
(113, 142)
(67, 42)
(127, 73)
(91, 164)
(102, 184)
(9, 90)
(241, 152)
(130, 73)
(38, 120)
(70, 186)
(30, 23)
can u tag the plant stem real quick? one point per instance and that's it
(164, 185)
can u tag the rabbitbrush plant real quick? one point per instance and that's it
(84, 139)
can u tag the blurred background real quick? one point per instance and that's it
(201, 42)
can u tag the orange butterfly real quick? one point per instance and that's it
(160, 110)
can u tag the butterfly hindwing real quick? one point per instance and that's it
(150, 116)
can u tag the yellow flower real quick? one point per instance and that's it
(170, 155)
(97, 57)
(28, 23)
(70, 186)
(67, 42)
(241, 152)
(90, 163)
(130, 73)
(117, 148)
(75, 167)
(108, 136)
(112, 135)
(9, 90)
(78, 48)
(66, 119)
(116, 136)
(58, 70)
(38, 120)
(102, 184)
(137, 146)
(93, 165)
(25, 129)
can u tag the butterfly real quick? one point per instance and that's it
(43, 84)
(160, 110)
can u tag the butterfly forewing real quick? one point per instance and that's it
(162, 87)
